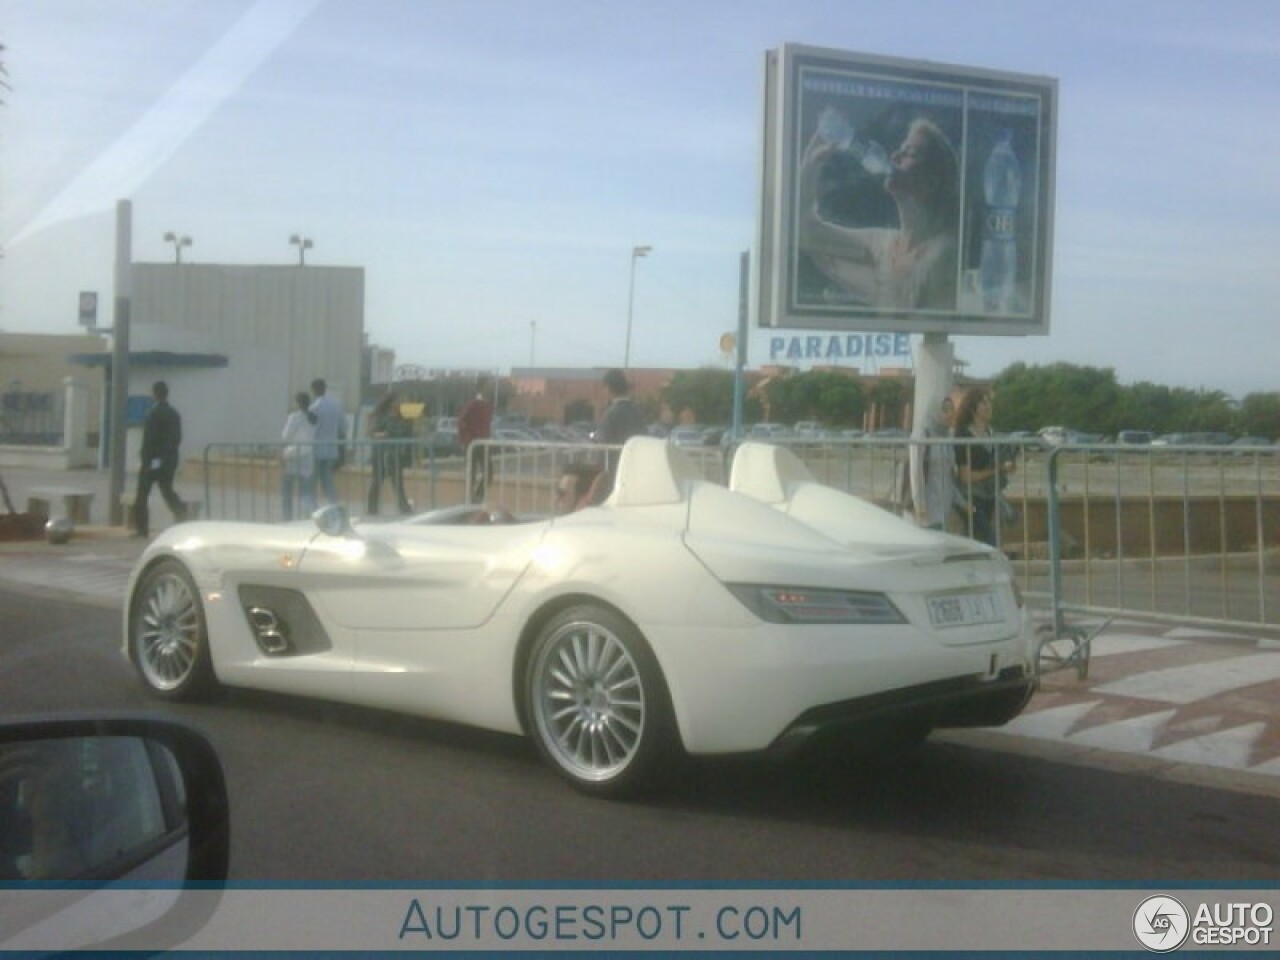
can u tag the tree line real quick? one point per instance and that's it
(1088, 399)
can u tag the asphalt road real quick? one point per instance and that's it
(329, 793)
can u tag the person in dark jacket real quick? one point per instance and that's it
(161, 436)
(386, 423)
(622, 420)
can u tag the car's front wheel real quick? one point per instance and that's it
(596, 703)
(168, 637)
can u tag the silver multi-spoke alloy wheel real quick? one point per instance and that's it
(596, 705)
(168, 635)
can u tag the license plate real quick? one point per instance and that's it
(964, 609)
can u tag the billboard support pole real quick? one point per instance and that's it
(934, 363)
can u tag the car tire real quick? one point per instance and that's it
(597, 706)
(168, 635)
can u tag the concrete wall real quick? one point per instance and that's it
(310, 320)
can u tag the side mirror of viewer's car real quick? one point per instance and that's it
(88, 803)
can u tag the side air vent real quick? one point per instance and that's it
(282, 621)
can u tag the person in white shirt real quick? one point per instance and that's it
(297, 471)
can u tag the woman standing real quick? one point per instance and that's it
(297, 472)
(386, 424)
(978, 468)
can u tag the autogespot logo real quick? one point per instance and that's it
(1161, 924)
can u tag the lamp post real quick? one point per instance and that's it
(303, 244)
(636, 253)
(178, 243)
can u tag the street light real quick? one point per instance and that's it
(178, 243)
(303, 244)
(636, 253)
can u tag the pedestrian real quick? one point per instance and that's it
(388, 429)
(933, 467)
(161, 436)
(475, 422)
(622, 418)
(298, 461)
(979, 468)
(622, 421)
(329, 437)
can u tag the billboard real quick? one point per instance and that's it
(904, 196)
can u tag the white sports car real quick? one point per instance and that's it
(678, 617)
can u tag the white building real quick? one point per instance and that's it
(235, 343)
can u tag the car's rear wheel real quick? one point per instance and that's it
(596, 703)
(168, 637)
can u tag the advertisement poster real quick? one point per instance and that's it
(904, 197)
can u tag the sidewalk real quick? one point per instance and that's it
(22, 480)
(94, 567)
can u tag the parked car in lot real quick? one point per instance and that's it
(680, 617)
(583, 431)
(770, 431)
(1216, 438)
(1197, 438)
(1245, 445)
(1058, 436)
(1136, 437)
(444, 443)
(515, 435)
(711, 436)
(687, 435)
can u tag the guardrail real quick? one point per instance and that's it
(1189, 534)
(1186, 534)
(243, 481)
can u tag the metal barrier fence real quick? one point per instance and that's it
(1189, 535)
(1186, 534)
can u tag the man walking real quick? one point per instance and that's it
(328, 439)
(161, 436)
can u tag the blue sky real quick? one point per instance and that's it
(491, 164)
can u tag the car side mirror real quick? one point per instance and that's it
(88, 803)
(333, 520)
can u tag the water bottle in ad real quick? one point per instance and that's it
(836, 129)
(1001, 185)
